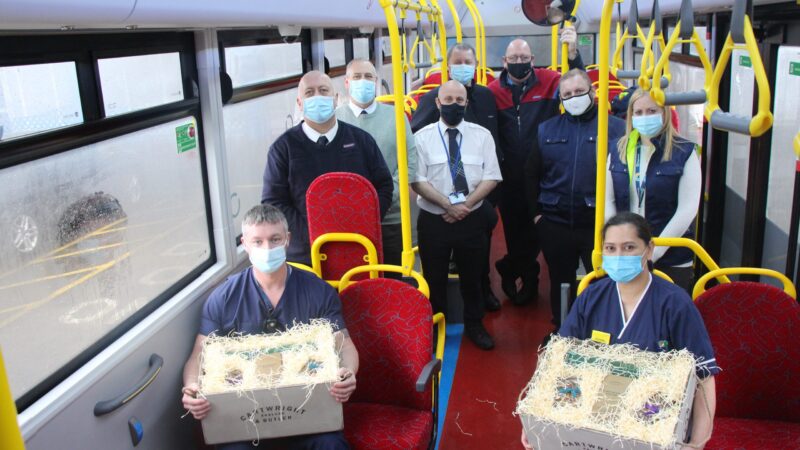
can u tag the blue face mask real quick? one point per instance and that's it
(362, 91)
(318, 108)
(648, 126)
(268, 260)
(463, 73)
(623, 269)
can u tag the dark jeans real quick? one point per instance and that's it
(681, 276)
(522, 243)
(562, 248)
(322, 441)
(392, 237)
(491, 217)
(467, 241)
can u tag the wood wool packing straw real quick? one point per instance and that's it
(616, 396)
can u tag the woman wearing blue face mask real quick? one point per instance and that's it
(633, 306)
(656, 173)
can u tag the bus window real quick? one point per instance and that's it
(253, 64)
(130, 83)
(334, 51)
(99, 234)
(38, 97)
(361, 48)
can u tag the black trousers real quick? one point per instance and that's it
(392, 237)
(491, 218)
(467, 240)
(681, 276)
(521, 239)
(562, 248)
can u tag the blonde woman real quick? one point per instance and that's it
(656, 173)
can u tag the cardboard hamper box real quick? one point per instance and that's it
(270, 386)
(281, 412)
(546, 434)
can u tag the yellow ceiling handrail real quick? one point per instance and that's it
(480, 41)
(788, 286)
(654, 35)
(684, 33)
(740, 37)
(633, 32)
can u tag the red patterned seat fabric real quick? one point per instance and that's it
(748, 434)
(342, 202)
(371, 426)
(753, 329)
(390, 324)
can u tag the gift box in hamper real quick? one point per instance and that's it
(589, 395)
(268, 386)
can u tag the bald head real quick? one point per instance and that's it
(314, 83)
(452, 92)
(518, 60)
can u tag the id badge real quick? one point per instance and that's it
(457, 198)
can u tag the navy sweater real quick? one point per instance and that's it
(294, 161)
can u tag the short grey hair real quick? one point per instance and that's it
(349, 67)
(572, 73)
(264, 213)
(462, 47)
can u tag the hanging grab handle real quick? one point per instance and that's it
(741, 31)
(684, 33)
(654, 34)
(632, 32)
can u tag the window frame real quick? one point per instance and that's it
(85, 50)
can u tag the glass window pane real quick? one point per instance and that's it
(334, 51)
(361, 48)
(132, 83)
(38, 97)
(250, 128)
(253, 64)
(96, 234)
(386, 44)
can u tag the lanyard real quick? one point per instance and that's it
(640, 177)
(452, 164)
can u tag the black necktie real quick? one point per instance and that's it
(363, 112)
(322, 141)
(460, 180)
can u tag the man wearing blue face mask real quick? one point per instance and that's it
(377, 119)
(560, 183)
(320, 144)
(268, 297)
(481, 110)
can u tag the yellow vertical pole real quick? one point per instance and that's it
(484, 68)
(476, 24)
(602, 132)
(565, 47)
(456, 20)
(442, 42)
(10, 437)
(553, 47)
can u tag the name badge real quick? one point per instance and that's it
(457, 198)
(601, 337)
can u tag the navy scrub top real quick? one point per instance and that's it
(664, 319)
(239, 305)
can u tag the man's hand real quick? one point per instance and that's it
(199, 407)
(457, 212)
(344, 388)
(570, 37)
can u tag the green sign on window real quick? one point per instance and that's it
(744, 61)
(794, 68)
(585, 39)
(186, 136)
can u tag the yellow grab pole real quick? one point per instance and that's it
(553, 48)
(476, 23)
(10, 437)
(564, 46)
(454, 14)
(482, 55)
(602, 133)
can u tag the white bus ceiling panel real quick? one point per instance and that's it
(115, 223)
(341, 13)
(782, 159)
(34, 14)
(250, 128)
(738, 160)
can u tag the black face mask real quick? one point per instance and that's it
(519, 70)
(453, 113)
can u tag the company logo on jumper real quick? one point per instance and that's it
(582, 445)
(276, 413)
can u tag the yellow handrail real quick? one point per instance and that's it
(422, 285)
(762, 121)
(456, 19)
(409, 104)
(554, 48)
(796, 145)
(10, 437)
(480, 41)
(654, 33)
(698, 250)
(595, 274)
(788, 286)
(439, 323)
(304, 267)
(564, 46)
(621, 44)
(317, 257)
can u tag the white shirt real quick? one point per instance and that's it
(477, 155)
(357, 109)
(314, 135)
